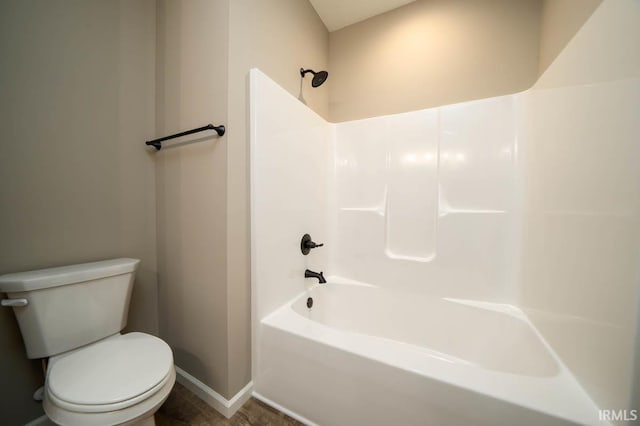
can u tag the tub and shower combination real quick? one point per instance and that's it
(421, 321)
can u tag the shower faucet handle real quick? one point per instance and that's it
(306, 244)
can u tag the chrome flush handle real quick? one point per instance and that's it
(14, 302)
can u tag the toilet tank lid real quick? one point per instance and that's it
(53, 277)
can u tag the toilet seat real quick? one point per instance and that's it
(112, 374)
(139, 414)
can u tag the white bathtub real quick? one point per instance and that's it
(363, 355)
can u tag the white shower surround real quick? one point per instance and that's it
(449, 241)
(418, 195)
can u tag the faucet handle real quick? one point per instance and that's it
(306, 244)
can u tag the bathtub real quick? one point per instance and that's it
(363, 355)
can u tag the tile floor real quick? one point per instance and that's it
(184, 408)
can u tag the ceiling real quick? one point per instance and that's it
(337, 14)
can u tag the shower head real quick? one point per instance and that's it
(318, 77)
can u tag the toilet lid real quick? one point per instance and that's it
(110, 371)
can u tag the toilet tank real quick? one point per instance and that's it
(70, 306)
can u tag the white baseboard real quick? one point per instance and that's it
(40, 421)
(226, 407)
(282, 409)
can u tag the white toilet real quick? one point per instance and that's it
(73, 315)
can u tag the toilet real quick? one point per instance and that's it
(73, 315)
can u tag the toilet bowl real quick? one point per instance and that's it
(95, 376)
(122, 379)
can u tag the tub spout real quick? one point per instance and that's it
(311, 274)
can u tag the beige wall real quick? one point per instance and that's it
(205, 50)
(191, 186)
(77, 84)
(433, 52)
(437, 52)
(581, 261)
(560, 21)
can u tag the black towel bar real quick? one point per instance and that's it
(157, 143)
